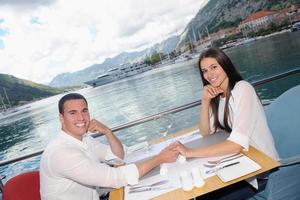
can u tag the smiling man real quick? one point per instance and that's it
(70, 165)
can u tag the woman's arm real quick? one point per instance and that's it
(204, 123)
(223, 148)
(209, 92)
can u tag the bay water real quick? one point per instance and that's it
(32, 126)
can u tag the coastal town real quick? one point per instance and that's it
(257, 24)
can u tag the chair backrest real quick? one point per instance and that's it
(24, 186)
(283, 117)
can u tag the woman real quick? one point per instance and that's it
(231, 104)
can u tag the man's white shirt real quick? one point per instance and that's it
(71, 169)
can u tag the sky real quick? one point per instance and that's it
(40, 39)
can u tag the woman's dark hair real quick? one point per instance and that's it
(67, 97)
(233, 77)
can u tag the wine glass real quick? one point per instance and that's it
(164, 124)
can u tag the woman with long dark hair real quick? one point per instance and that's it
(229, 103)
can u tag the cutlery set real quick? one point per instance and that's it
(215, 163)
(211, 164)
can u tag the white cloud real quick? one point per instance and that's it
(68, 35)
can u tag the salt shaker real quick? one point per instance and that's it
(163, 170)
(181, 159)
(186, 181)
(197, 178)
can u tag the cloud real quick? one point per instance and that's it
(26, 4)
(59, 36)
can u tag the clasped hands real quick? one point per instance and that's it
(171, 152)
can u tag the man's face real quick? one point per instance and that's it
(75, 118)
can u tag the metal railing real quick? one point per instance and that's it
(156, 116)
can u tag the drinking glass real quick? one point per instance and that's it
(164, 124)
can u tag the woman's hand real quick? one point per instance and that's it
(210, 92)
(183, 150)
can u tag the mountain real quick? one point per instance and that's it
(220, 14)
(21, 91)
(215, 15)
(91, 72)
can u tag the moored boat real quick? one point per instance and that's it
(119, 73)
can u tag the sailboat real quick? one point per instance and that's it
(6, 108)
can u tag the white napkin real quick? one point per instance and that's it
(253, 182)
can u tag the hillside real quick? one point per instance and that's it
(21, 91)
(220, 14)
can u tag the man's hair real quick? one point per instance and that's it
(67, 97)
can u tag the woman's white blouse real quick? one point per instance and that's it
(247, 120)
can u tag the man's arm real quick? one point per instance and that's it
(114, 142)
(167, 155)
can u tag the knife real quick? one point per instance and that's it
(149, 185)
(149, 189)
(221, 167)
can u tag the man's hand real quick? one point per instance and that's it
(114, 142)
(168, 154)
(96, 126)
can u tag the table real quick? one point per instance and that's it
(212, 183)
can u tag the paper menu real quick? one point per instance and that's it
(244, 167)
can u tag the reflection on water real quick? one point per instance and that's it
(146, 94)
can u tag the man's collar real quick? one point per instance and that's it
(72, 139)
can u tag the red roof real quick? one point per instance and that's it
(258, 15)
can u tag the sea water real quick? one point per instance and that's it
(34, 125)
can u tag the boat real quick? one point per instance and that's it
(118, 73)
(183, 58)
(228, 44)
(236, 43)
(296, 27)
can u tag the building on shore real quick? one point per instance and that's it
(257, 21)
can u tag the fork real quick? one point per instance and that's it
(214, 163)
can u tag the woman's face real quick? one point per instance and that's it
(213, 72)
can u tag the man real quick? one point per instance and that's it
(70, 166)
